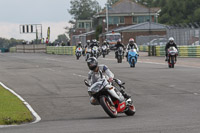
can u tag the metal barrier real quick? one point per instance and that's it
(61, 50)
(31, 48)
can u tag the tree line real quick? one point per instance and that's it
(7, 43)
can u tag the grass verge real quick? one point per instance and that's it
(12, 110)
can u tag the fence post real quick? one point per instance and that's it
(150, 51)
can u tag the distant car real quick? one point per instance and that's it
(195, 43)
(157, 42)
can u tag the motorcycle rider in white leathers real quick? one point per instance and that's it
(94, 75)
(131, 45)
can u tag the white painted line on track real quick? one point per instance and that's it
(80, 75)
(51, 59)
(37, 117)
(157, 63)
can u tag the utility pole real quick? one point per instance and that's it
(107, 17)
(149, 16)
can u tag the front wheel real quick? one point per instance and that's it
(77, 57)
(133, 63)
(108, 108)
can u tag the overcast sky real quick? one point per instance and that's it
(53, 13)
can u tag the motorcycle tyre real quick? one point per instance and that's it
(130, 111)
(106, 108)
(77, 57)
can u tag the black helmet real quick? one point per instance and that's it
(92, 63)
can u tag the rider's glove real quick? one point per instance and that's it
(110, 79)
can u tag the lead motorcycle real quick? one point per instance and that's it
(172, 56)
(110, 98)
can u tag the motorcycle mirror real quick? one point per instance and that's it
(86, 83)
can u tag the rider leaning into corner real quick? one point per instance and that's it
(94, 76)
(119, 44)
(131, 45)
(171, 43)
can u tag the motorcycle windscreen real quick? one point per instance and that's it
(130, 53)
(98, 86)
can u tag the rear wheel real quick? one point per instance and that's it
(104, 55)
(108, 108)
(131, 110)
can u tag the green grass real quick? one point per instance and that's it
(12, 110)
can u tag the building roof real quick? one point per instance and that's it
(129, 7)
(142, 26)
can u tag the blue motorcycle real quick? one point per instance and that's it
(132, 57)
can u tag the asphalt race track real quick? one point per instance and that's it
(166, 100)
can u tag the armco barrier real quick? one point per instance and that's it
(184, 51)
(61, 50)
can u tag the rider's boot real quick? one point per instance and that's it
(166, 59)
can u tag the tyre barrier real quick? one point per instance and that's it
(12, 49)
(143, 48)
(184, 51)
(61, 50)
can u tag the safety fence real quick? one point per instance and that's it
(184, 51)
(61, 50)
(30, 48)
(143, 48)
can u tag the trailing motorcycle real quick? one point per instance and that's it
(172, 56)
(110, 98)
(95, 52)
(120, 54)
(132, 57)
(78, 52)
(88, 53)
(104, 51)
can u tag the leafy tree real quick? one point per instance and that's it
(111, 2)
(174, 12)
(98, 31)
(6, 43)
(84, 9)
(62, 38)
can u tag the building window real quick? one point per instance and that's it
(141, 19)
(116, 20)
(81, 25)
(121, 20)
(88, 25)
